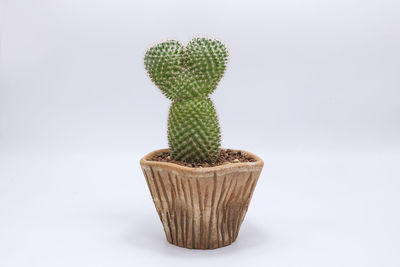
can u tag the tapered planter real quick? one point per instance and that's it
(201, 208)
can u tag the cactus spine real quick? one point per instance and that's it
(187, 76)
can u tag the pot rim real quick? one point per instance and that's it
(258, 163)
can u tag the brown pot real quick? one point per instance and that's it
(201, 208)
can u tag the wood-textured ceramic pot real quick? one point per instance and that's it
(201, 208)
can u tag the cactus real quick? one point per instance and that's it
(187, 76)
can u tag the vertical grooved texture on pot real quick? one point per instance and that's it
(201, 208)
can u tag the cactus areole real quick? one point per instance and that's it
(188, 75)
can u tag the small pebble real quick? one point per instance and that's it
(235, 160)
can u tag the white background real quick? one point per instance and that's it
(312, 87)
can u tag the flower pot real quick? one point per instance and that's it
(201, 208)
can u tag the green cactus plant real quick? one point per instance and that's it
(187, 76)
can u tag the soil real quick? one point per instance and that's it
(225, 156)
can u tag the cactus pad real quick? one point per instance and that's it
(187, 76)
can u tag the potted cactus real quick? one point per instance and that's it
(201, 192)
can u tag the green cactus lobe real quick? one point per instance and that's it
(193, 130)
(187, 75)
